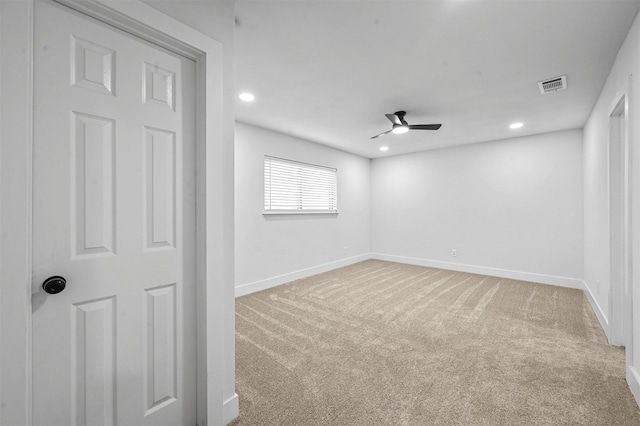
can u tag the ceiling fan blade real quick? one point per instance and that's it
(424, 126)
(393, 118)
(381, 134)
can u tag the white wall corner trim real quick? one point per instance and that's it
(602, 318)
(253, 287)
(633, 379)
(230, 409)
(484, 270)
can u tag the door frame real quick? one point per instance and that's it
(619, 221)
(214, 263)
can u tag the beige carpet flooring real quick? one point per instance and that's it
(381, 343)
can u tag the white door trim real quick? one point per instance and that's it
(16, 114)
(619, 220)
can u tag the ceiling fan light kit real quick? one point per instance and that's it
(399, 129)
(400, 125)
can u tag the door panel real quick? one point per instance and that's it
(114, 213)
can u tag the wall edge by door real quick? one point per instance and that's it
(16, 37)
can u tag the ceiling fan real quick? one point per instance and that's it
(401, 126)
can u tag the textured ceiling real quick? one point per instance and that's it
(328, 71)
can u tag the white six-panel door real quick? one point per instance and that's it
(114, 214)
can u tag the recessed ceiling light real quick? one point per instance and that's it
(516, 125)
(247, 97)
(384, 148)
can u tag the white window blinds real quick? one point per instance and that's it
(293, 187)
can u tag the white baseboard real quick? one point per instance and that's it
(633, 379)
(602, 318)
(253, 287)
(483, 270)
(230, 409)
(249, 288)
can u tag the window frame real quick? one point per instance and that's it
(310, 168)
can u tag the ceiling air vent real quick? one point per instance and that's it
(552, 85)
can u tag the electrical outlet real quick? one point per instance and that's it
(598, 286)
(454, 253)
(345, 250)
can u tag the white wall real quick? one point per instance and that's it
(272, 250)
(596, 193)
(510, 208)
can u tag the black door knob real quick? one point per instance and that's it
(53, 285)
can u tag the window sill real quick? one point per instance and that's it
(296, 213)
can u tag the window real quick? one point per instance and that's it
(293, 187)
